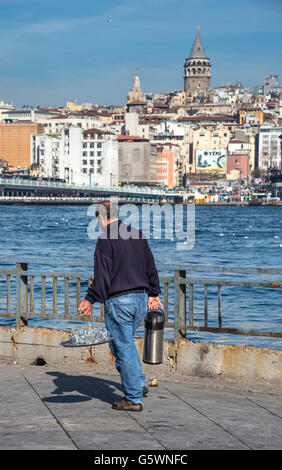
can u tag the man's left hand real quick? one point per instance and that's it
(154, 303)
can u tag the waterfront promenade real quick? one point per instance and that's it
(68, 408)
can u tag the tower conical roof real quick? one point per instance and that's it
(197, 51)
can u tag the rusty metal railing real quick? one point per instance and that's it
(26, 287)
(182, 324)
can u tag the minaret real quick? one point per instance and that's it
(136, 92)
(197, 69)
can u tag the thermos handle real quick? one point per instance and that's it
(158, 309)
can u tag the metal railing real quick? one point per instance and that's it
(177, 295)
(183, 324)
(61, 185)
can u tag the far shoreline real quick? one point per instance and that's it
(85, 202)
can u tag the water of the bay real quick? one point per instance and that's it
(58, 237)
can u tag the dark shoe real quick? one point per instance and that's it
(145, 391)
(127, 405)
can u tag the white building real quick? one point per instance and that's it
(134, 127)
(238, 146)
(99, 157)
(46, 152)
(271, 84)
(79, 157)
(56, 124)
(170, 130)
(25, 114)
(5, 107)
(270, 147)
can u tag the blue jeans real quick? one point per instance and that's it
(123, 315)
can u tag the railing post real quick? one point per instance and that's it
(21, 294)
(219, 305)
(206, 305)
(179, 302)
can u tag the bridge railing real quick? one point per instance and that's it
(61, 185)
(27, 293)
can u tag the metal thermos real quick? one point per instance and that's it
(153, 337)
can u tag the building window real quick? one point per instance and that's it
(99, 145)
(84, 154)
(92, 145)
(91, 154)
(99, 154)
(84, 145)
(84, 162)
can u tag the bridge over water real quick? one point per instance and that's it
(33, 190)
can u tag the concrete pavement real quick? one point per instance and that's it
(51, 407)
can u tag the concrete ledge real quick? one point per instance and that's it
(231, 361)
(187, 358)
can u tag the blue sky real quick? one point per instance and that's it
(54, 50)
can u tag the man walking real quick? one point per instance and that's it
(127, 282)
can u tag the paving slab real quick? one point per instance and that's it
(242, 417)
(271, 403)
(43, 407)
(41, 434)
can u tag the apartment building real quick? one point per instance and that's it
(269, 147)
(45, 154)
(167, 164)
(15, 142)
(136, 160)
(82, 157)
(56, 124)
(210, 149)
(99, 157)
(5, 107)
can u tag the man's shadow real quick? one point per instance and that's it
(86, 386)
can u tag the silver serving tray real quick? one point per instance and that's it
(67, 344)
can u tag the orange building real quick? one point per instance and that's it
(250, 116)
(15, 142)
(165, 166)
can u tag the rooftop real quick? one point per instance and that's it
(96, 131)
(207, 117)
(136, 102)
(131, 138)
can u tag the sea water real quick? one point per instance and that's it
(244, 236)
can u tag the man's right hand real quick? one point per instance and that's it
(154, 303)
(86, 307)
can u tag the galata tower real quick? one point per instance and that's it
(197, 69)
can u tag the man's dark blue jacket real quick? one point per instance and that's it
(123, 263)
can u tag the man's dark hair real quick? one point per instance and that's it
(107, 209)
